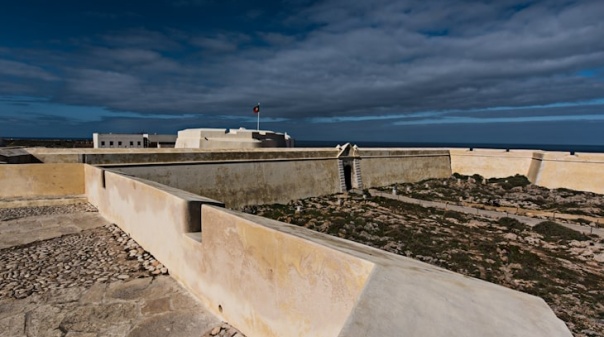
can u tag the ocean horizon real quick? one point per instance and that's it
(503, 146)
(374, 144)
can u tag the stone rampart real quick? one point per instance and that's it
(491, 163)
(246, 182)
(171, 155)
(381, 167)
(36, 180)
(269, 278)
(577, 171)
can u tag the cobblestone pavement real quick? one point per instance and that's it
(22, 212)
(89, 281)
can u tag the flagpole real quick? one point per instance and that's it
(258, 123)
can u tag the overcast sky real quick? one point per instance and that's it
(383, 70)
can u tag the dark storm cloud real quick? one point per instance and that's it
(336, 60)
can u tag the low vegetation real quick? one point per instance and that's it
(515, 192)
(547, 260)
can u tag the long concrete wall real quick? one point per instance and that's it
(269, 278)
(581, 171)
(491, 163)
(578, 171)
(250, 182)
(164, 155)
(241, 177)
(28, 180)
(381, 167)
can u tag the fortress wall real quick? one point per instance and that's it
(582, 171)
(36, 180)
(171, 155)
(240, 183)
(491, 163)
(157, 217)
(269, 278)
(381, 167)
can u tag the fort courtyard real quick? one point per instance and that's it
(341, 241)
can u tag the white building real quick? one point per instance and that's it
(231, 139)
(124, 141)
(160, 141)
(117, 140)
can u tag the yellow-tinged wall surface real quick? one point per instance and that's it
(578, 171)
(267, 282)
(381, 167)
(581, 171)
(274, 283)
(249, 182)
(269, 278)
(491, 163)
(31, 180)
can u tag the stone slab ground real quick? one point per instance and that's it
(66, 272)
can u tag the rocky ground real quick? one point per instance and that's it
(98, 282)
(562, 266)
(513, 192)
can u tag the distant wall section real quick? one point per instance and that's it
(28, 180)
(380, 167)
(239, 183)
(581, 171)
(491, 163)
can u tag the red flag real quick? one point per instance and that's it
(257, 109)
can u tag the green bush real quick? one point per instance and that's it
(460, 176)
(512, 224)
(511, 182)
(552, 231)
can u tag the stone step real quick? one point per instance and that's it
(196, 236)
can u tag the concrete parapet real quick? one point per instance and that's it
(381, 167)
(37, 180)
(491, 163)
(170, 155)
(16, 155)
(579, 171)
(275, 279)
(269, 278)
(246, 182)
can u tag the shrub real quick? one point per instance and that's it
(552, 231)
(512, 224)
(460, 176)
(511, 182)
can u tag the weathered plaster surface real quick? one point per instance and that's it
(582, 171)
(491, 163)
(381, 167)
(273, 279)
(246, 182)
(26, 180)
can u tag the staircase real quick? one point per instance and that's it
(342, 177)
(357, 173)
